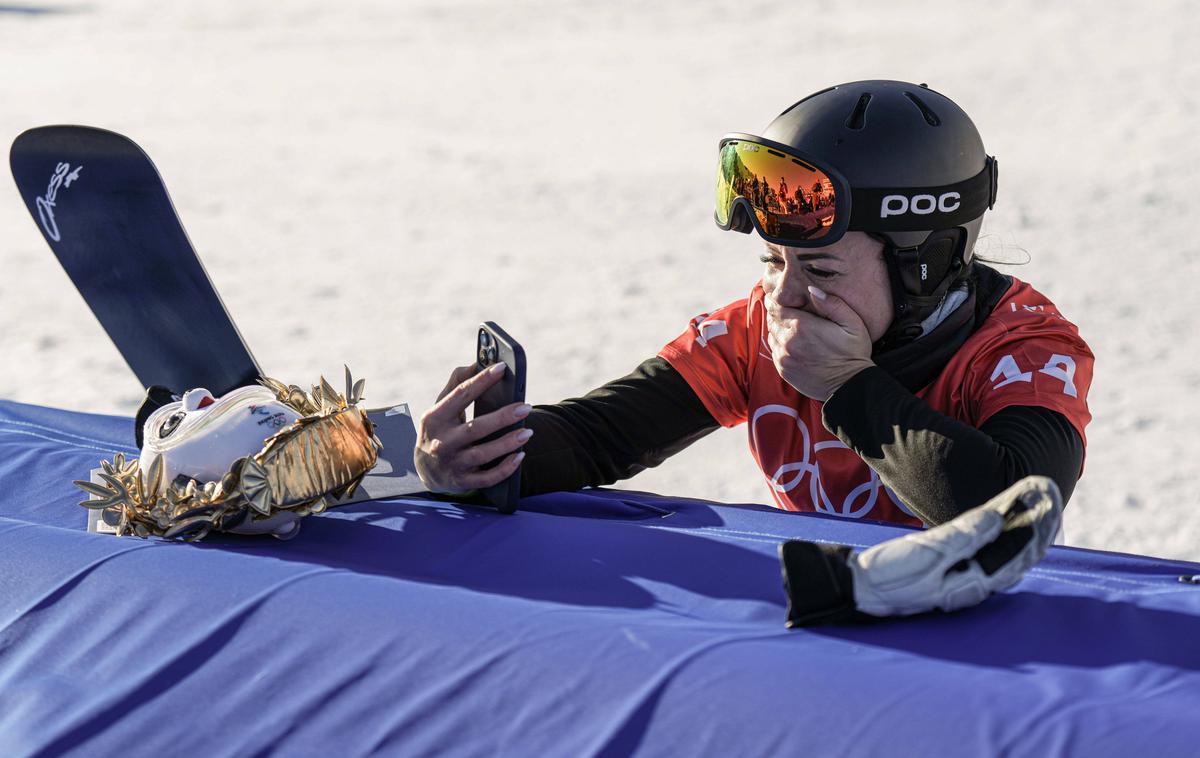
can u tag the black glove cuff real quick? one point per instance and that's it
(818, 583)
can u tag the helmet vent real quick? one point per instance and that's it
(930, 117)
(858, 116)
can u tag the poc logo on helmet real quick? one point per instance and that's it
(922, 205)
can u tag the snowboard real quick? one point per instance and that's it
(102, 207)
(104, 210)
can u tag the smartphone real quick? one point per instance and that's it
(493, 345)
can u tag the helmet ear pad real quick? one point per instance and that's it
(921, 275)
(925, 269)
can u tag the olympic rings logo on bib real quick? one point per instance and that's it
(857, 503)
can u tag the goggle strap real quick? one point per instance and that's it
(911, 209)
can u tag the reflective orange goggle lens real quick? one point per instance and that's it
(792, 201)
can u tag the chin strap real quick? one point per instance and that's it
(920, 279)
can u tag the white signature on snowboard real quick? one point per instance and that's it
(62, 177)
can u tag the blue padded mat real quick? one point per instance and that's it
(594, 623)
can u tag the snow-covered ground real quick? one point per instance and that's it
(366, 181)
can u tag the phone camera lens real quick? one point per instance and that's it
(491, 355)
(485, 339)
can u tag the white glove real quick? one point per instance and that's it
(961, 562)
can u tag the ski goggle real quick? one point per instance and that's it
(791, 199)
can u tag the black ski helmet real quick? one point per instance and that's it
(909, 142)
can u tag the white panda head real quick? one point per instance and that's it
(200, 436)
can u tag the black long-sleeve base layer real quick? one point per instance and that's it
(613, 432)
(939, 467)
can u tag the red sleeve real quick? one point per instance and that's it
(712, 354)
(1048, 366)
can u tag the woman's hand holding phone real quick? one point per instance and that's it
(448, 455)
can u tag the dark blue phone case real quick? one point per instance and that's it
(493, 345)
